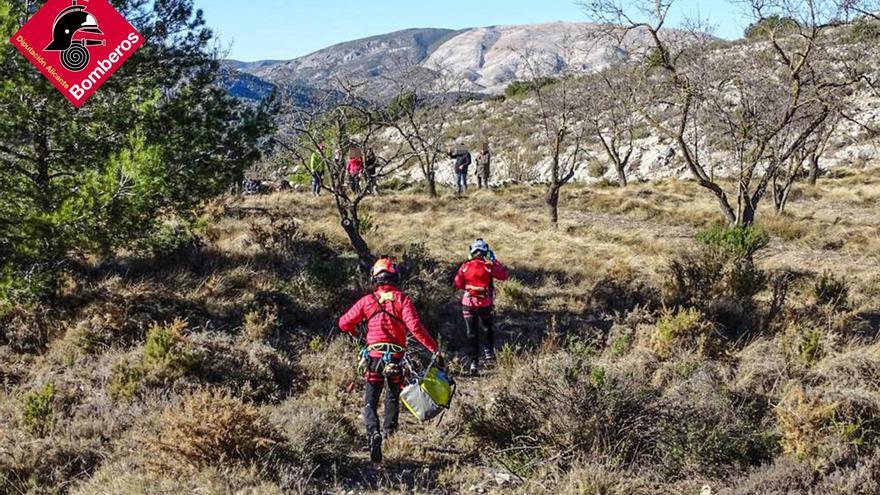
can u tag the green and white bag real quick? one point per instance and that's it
(429, 396)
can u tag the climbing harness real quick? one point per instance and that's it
(387, 364)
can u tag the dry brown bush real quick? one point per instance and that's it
(211, 428)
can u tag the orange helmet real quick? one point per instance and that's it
(385, 271)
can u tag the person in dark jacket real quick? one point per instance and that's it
(462, 159)
(483, 160)
(371, 165)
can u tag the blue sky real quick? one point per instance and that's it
(283, 29)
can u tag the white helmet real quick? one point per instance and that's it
(479, 246)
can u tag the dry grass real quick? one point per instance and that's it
(210, 428)
(599, 387)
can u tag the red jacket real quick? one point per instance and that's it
(476, 278)
(388, 326)
(355, 165)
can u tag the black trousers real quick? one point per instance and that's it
(392, 405)
(480, 326)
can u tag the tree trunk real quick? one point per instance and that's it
(552, 202)
(780, 198)
(814, 169)
(621, 173)
(747, 217)
(365, 257)
(432, 185)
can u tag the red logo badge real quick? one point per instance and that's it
(77, 44)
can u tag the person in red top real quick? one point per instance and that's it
(477, 279)
(389, 314)
(355, 167)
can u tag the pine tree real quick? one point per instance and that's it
(159, 137)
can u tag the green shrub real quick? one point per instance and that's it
(597, 375)
(521, 89)
(721, 279)
(514, 293)
(831, 291)
(810, 348)
(656, 58)
(744, 281)
(125, 379)
(300, 179)
(167, 352)
(685, 328)
(561, 409)
(507, 355)
(694, 279)
(171, 240)
(20, 284)
(394, 184)
(38, 414)
(620, 345)
(774, 24)
(704, 429)
(738, 242)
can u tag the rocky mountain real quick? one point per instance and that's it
(486, 59)
(490, 58)
(371, 57)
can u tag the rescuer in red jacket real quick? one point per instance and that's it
(477, 279)
(389, 315)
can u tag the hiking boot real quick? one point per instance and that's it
(376, 447)
(489, 355)
(386, 434)
(473, 370)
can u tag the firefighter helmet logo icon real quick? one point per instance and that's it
(69, 24)
(78, 44)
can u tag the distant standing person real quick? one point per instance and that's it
(317, 166)
(355, 167)
(484, 161)
(371, 164)
(462, 159)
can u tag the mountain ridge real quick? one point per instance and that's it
(485, 59)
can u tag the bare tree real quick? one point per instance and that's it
(862, 58)
(349, 124)
(759, 109)
(805, 163)
(558, 116)
(862, 8)
(420, 112)
(610, 118)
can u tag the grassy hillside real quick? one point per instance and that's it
(635, 358)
